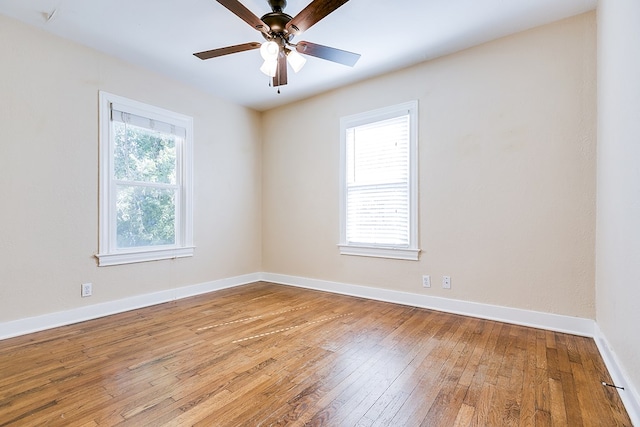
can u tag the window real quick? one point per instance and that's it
(145, 182)
(378, 203)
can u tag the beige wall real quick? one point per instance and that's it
(618, 225)
(507, 175)
(49, 177)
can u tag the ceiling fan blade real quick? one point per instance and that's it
(245, 14)
(280, 78)
(329, 53)
(314, 12)
(207, 54)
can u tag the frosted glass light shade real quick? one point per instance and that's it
(269, 67)
(296, 60)
(269, 50)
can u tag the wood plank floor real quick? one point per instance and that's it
(266, 355)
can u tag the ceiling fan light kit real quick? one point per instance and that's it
(278, 29)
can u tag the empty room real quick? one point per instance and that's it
(320, 212)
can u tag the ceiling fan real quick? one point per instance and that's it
(278, 29)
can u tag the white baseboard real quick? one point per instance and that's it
(629, 395)
(81, 314)
(535, 319)
(554, 322)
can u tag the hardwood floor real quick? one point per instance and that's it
(264, 354)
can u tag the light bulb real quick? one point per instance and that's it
(296, 60)
(269, 50)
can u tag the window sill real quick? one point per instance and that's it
(130, 257)
(380, 252)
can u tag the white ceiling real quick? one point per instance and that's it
(162, 35)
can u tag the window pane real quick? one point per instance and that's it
(144, 155)
(377, 205)
(145, 216)
(378, 152)
(378, 215)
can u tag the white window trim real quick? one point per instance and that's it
(108, 254)
(411, 252)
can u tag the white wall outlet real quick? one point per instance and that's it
(87, 290)
(446, 282)
(426, 281)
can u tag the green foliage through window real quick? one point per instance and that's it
(145, 173)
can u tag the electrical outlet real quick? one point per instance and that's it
(446, 282)
(87, 290)
(426, 281)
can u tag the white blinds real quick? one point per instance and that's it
(158, 125)
(377, 199)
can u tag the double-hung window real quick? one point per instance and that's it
(145, 182)
(378, 203)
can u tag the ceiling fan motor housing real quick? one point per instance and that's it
(277, 22)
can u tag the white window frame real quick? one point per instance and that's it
(108, 253)
(410, 251)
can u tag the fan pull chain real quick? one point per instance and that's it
(270, 85)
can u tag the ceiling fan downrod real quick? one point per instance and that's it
(277, 5)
